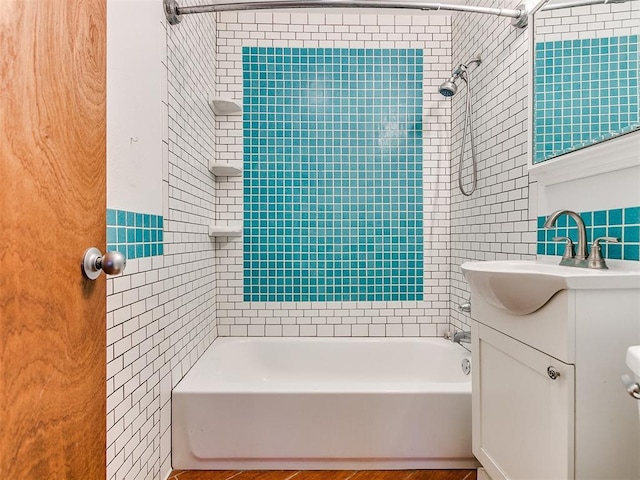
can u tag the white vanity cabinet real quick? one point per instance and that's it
(523, 415)
(547, 397)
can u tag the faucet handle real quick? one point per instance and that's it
(596, 242)
(595, 255)
(569, 251)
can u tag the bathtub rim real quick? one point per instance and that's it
(345, 387)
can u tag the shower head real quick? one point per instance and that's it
(449, 88)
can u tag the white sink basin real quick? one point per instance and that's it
(522, 287)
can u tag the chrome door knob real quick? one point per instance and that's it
(93, 262)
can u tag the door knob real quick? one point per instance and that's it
(93, 262)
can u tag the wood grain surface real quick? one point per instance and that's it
(52, 207)
(324, 475)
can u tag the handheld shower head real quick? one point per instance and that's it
(448, 88)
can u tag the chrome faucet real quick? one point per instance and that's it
(581, 254)
(579, 258)
(462, 337)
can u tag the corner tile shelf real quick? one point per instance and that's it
(223, 105)
(224, 231)
(222, 169)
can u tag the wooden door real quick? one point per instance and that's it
(52, 207)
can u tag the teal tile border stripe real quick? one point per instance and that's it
(585, 91)
(623, 223)
(134, 234)
(332, 174)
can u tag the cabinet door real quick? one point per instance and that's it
(523, 420)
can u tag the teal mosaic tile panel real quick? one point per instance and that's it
(585, 91)
(136, 235)
(622, 223)
(332, 174)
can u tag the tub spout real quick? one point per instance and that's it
(462, 337)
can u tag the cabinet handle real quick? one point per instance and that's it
(632, 387)
(553, 373)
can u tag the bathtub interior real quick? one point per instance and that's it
(328, 364)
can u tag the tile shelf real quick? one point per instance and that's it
(223, 105)
(223, 169)
(216, 230)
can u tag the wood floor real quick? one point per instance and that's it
(325, 475)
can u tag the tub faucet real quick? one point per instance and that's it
(462, 337)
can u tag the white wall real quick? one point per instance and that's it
(604, 176)
(161, 313)
(136, 46)
(343, 30)
(617, 189)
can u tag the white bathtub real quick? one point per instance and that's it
(308, 403)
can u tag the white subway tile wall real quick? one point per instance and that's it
(162, 312)
(429, 317)
(589, 21)
(495, 223)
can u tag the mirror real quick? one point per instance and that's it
(585, 75)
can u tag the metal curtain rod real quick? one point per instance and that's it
(519, 15)
(174, 12)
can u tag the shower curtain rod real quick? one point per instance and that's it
(519, 15)
(174, 12)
